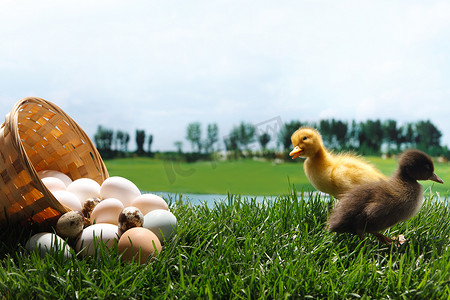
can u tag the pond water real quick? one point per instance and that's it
(210, 199)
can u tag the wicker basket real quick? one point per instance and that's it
(38, 135)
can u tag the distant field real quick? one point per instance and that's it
(247, 177)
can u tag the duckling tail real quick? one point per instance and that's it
(341, 222)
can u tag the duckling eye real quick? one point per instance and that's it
(305, 138)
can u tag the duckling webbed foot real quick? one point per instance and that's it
(400, 240)
(382, 238)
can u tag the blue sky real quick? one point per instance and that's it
(159, 65)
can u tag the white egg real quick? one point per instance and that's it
(46, 242)
(53, 184)
(107, 211)
(148, 202)
(84, 188)
(68, 199)
(54, 173)
(119, 188)
(162, 222)
(92, 236)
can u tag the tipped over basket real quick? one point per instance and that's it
(37, 135)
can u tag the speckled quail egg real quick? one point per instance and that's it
(70, 224)
(89, 205)
(130, 217)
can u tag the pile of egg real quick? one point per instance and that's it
(114, 210)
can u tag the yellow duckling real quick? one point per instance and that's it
(330, 173)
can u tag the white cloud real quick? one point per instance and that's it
(158, 65)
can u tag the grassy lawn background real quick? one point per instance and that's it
(246, 177)
(244, 249)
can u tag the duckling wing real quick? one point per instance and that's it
(392, 203)
(382, 209)
(369, 207)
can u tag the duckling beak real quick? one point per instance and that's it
(296, 152)
(436, 178)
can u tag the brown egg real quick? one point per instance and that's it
(138, 243)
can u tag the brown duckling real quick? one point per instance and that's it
(376, 206)
(330, 173)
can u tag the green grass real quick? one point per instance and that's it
(244, 177)
(243, 249)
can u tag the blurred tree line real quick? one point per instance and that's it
(370, 137)
(373, 137)
(112, 144)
